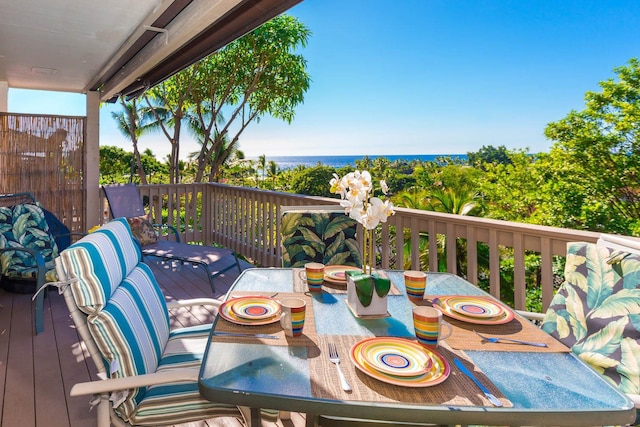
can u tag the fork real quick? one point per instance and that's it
(335, 359)
(494, 340)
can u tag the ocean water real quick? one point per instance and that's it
(290, 162)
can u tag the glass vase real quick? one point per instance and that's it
(369, 251)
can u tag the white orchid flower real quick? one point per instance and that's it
(355, 189)
(384, 187)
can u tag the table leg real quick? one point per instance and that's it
(312, 420)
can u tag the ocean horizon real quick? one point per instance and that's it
(290, 162)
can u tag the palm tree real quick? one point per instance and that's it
(133, 122)
(447, 200)
(262, 165)
(272, 171)
(456, 201)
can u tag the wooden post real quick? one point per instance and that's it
(93, 210)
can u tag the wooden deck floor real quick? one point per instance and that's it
(37, 372)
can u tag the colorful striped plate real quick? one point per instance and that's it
(395, 356)
(336, 273)
(472, 309)
(438, 372)
(255, 308)
(228, 312)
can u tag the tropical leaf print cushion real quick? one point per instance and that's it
(596, 312)
(328, 237)
(24, 226)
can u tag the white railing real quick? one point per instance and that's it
(245, 220)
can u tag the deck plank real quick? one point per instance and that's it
(19, 399)
(75, 364)
(5, 329)
(49, 393)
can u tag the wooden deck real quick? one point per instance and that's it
(37, 372)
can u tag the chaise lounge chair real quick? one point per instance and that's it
(124, 201)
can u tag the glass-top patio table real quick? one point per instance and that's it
(538, 386)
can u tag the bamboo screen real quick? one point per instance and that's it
(44, 155)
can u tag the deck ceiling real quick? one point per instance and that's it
(80, 45)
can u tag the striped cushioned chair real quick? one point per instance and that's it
(123, 318)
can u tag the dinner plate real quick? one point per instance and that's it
(226, 312)
(337, 273)
(438, 372)
(394, 356)
(480, 308)
(443, 304)
(255, 308)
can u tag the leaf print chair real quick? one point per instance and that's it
(27, 250)
(321, 234)
(596, 311)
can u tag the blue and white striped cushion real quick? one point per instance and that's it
(101, 260)
(180, 402)
(132, 331)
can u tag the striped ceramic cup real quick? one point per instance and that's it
(414, 283)
(293, 313)
(428, 325)
(315, 275)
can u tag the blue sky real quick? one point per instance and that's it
(426, 76)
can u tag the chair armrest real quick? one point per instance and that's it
(34, 253)
(635, 398)
(40, 264)
(170, 227)
(117, 384)
(206, 302)
(530, 315)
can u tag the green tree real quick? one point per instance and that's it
(272, 172)
(156, 170)
(115, 164)
(602, 142)
(513, 190)
(262, 166)
(488, 154)
(170, 104)
(133, 122)
(256, 75)
(313, 181)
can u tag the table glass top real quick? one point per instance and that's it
(534, 382)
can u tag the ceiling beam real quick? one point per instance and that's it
(160, 17)
(216, 29)
(198, 15)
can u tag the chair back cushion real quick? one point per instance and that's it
(100, 261)
(325, 236)
(24, 226)
(596, 312)
(126, 310)
(132, 331)
(124, 200)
